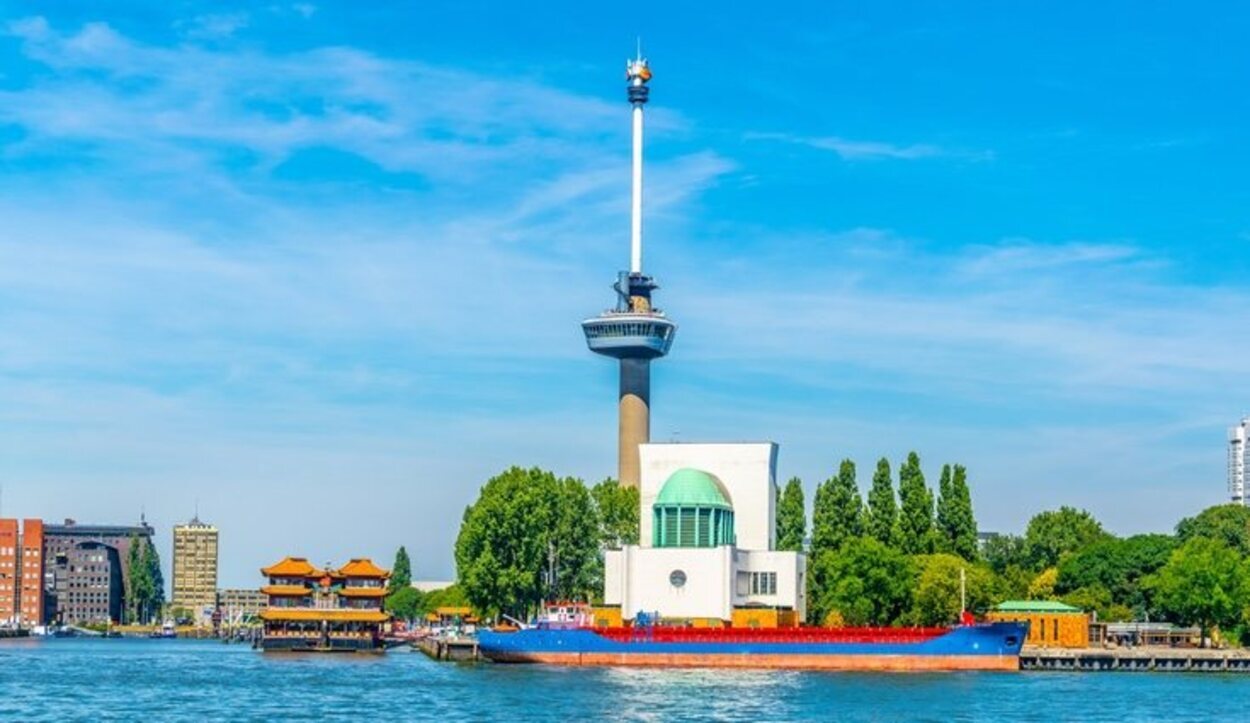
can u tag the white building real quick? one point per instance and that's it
(1237, 462)
(708, 537)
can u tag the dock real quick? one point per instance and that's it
(456, 649)
(1144, 659)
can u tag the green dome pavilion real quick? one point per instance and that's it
(692, 510)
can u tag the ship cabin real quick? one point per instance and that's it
(323, 609)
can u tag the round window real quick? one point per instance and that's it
(677, 578)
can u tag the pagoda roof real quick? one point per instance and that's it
(334, 615)
(362, 567)
(291, 567)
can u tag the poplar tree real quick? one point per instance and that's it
(916, 503)
(791, 517)
(963, 522)
(945, 521)
(838, 512)
(882, 518)
(401, 571)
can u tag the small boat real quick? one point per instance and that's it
(166, 630)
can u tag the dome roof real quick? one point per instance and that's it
(693, 488)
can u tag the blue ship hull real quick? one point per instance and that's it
(989, 646)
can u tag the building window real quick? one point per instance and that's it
(763, 583)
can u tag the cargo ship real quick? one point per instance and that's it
(976, 646)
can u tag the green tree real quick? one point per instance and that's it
(915, 520)
(1117, 567)
(867, 583)
(1004, 551)
(956, 525)
(882, 518)
(1205, 583)
(406, 603)
(791, 517)
(449, 597)
(1054, 533)
(1229, 524)
(837, 511)
(528, 536)
(1097, 599)
(144, 594)
(936, 599)
(401, 571)
(617, 508)
(1042, 586)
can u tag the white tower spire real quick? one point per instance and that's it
(638, 73)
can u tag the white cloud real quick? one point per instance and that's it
(856, 150)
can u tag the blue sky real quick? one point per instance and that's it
(319, 267)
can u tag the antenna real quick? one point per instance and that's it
(637, 72)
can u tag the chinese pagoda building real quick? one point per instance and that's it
(324, 610)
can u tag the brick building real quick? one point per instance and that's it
(85, 573)
(21, 573)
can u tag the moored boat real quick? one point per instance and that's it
(979, 646)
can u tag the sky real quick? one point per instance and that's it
(316, 270)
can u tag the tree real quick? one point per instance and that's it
(1204, 583)
(145, 585)
(956, 525)
(406, 603)
(1229, 524)
(1042, 587)
(617, 508)
(791, 517)
(915, 521)
(936, 599)
(401, 571)
(529, 536)
(866, 583)
(837, 512)
(1052, 534)
(1097, 599)
(1117, 567)
(1002, 552)
(882, 517)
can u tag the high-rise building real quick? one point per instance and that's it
(1237, 461)
(195, 569)
(21, 573)
(635, 331)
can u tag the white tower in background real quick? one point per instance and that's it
(1237, 461)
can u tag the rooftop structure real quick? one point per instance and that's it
(195, 570)
(324, 609)
(634, 332)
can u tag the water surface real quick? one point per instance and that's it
(115, 680)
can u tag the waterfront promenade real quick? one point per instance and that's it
(197, 680)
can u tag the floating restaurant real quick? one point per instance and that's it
(314, 609)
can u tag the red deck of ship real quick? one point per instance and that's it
(772, 635)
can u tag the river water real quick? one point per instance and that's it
(115, 680)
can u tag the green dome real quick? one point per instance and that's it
(693, 488)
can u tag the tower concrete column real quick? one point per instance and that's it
(635, 418)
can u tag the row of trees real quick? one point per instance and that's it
(866, 560)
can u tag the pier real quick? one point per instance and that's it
(1145, 659)
(456, 649)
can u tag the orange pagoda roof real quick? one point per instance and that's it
(291, 567)
(335, 615)
(363, 567)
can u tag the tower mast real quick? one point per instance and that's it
(635, 332)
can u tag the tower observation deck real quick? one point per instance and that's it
(635, 331)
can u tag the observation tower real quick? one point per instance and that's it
(635, 331)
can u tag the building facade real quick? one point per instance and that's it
(195, 570)
(239, 605)
(707, 552)
(1051, 624)
(21, 573)
(85, 575)
(1237, 461)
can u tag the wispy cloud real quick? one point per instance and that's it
(856, 150)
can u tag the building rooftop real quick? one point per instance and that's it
(693, 488)
(1035, 606)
